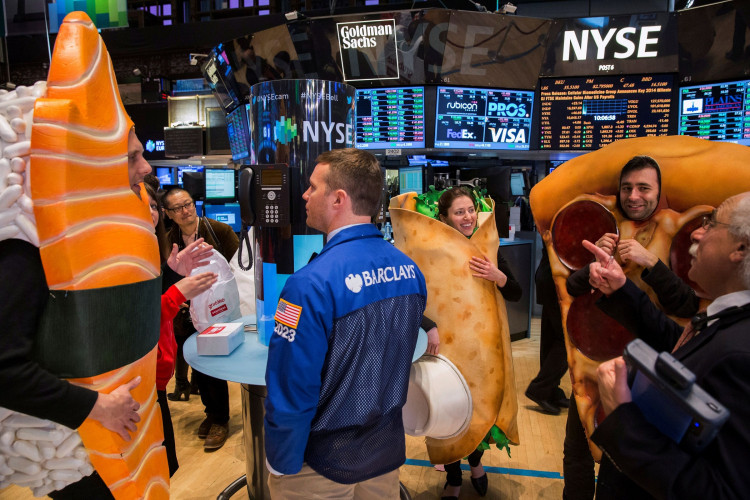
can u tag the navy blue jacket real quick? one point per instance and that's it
(338, 364)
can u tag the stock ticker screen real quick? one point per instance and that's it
(483, 118)
(591, 112)
(390, 118)
(717, 112)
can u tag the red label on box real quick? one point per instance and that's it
(219, 310)
(212, 330)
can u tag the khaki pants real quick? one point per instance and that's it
(308, 484)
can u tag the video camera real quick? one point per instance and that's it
(668, 397)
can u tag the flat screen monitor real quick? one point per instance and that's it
(517, 183)
(238, 130)
(220, 184)
(717, 111)
(483, 118)
(410, 180)
(391, 117)
(165, 175)
(591, 112)
(186, 168)
(220, 76)
(423, 161)
(228, 213)
(199, 208)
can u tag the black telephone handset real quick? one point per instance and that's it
(247, 214)
(265, 196)
(247, 192)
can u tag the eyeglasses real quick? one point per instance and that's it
(187, 205)
(709, 221)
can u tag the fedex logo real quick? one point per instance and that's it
(459, 134)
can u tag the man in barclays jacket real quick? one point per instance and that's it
(719, 356)
(346, 329)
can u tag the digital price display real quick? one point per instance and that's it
(390, 118)
(591, 112)
(238, 130)
(483, 118)
(717, 112)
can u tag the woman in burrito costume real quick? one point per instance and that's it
(458, 209)
(471, 318)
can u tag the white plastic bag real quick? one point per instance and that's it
(221, 302)
(245, 279)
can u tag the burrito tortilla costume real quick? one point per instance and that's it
(472, 324)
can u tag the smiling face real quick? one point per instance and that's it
(138, 167)
(462, 215)
(639, 193)
(713, 264)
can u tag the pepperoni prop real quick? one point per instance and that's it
(593, 333)
(581, 220)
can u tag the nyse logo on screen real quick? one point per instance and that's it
(628, 42)
(509, 135)
(313, 131)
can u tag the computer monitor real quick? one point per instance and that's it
(410, 179)
(165, 175)
(478, 118)
(228, 213)
(186, 168)
(716, 111)
(199, 208)
(391, 117)
(517, 183)
(195, 184)
(220, 185)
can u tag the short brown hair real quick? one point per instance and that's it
(358, 173)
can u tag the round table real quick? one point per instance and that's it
(247, 366)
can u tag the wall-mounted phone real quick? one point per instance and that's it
(265, 195)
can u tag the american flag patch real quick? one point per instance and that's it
(287, 313)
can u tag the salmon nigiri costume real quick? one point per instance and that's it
(577, 201)
(101, 323)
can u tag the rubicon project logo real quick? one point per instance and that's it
(285, 130)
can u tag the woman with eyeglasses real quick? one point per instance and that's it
(187, 228)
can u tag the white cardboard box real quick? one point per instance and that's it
(220, 339)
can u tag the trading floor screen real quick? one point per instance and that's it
(591, 112)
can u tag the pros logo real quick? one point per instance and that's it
(507, 109)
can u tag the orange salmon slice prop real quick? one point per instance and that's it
(95, 236)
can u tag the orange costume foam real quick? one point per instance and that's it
(95, 233)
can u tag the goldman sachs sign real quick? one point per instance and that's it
(642, 43)
(365, 47)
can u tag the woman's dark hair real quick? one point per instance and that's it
(161, 232)
(449, 195)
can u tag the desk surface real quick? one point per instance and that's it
(247, 363)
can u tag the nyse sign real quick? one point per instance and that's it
(624, 39)
(643, 43)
